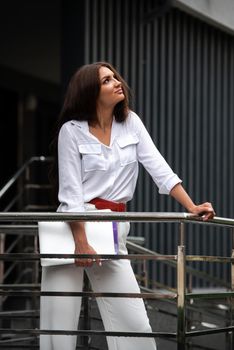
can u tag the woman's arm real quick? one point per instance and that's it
(81, 244)
(71, 191)
(204, 209)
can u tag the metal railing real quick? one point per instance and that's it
(181, 296)
(21, 223)
(22, 180)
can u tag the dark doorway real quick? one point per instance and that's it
(8, 134)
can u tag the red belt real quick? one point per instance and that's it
(105, 204)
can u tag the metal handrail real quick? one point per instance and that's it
(17, 175)
(181, 295)
(94, 216)
(161, 217)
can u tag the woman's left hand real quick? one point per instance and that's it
(205, 210)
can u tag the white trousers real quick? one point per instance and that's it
(118, 314)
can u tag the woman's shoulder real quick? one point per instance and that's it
(133, 121)
(71, 127)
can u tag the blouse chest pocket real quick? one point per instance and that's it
(127, 149)
(92, 157)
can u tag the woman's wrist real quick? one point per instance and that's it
(179, 193)
(78, 231)
(192, 208)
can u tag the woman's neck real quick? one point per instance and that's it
(102, 129)
(104, 121)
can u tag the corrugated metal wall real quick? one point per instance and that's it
(181, 71)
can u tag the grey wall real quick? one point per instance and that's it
(219, 13)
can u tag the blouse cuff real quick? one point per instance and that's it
(64, 208)
(169, 184)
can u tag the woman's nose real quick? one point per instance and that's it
(117, 82)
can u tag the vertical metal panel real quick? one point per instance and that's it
(181, 71)
(140, 94)
(230, 184)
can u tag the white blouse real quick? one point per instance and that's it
(90, 169)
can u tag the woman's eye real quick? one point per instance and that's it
(106, 81)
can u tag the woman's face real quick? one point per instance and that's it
(111, 91)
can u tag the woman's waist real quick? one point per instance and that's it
(100, 204)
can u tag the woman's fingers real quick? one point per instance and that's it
(84, 249)
(205, 210)
(84, 262)
(89, 261)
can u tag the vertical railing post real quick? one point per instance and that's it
(2, 251)
(35, 280)
(232, 287)
(87, 316)
(181, 291)
(25, 181)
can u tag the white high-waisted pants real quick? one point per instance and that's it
(118, 314)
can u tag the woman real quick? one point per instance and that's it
(100, 142)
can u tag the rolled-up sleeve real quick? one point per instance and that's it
(154, 163)
(69, 167)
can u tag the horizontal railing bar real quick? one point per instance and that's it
(22, 347)
(89, 294)
(20, 229)
(12, 345)
(18, 317)
(38, 186)
(31, 230)
(17, 340)
(33, 256)
(19, 312)
(210, 295)
(92, 216)
(220, 259)
(217, 221)
(87, 333)
(209, 331)
(123, 216)
(20, 286)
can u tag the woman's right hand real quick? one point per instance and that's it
(82, 246)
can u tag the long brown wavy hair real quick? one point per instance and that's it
(80, 103)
